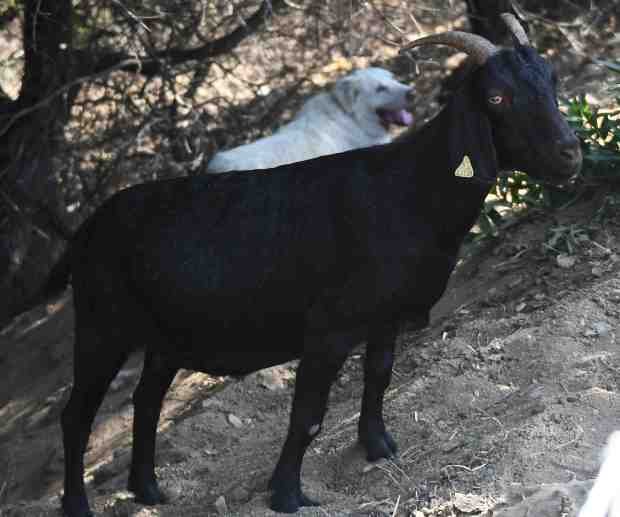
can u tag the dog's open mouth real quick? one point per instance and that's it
(399, 117)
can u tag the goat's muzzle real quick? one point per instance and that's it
(569, 155)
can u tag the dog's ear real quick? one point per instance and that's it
(346, 91)
(470, 140)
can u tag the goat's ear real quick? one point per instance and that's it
(345, 92)
(470, 140)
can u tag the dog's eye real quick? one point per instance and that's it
(381, 88)
(496, 99)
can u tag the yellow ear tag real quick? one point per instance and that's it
(465, 170)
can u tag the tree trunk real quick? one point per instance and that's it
(31, 235)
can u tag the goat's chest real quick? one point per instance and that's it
(424, 275)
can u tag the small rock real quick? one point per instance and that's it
(274, 378)
(520, 307)
(221, 506)
(240, 494)
(602, 328)
(212, 403)
(469, 503)
(174, 493)
(235, 421)
(597, 271)
(565, 261)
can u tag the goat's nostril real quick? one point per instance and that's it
(570, 154)
(569, 150)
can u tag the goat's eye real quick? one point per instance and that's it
(496, 99)
(381, 88)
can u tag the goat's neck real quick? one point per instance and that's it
(451, 204)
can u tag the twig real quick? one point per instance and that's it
(44, 102)
(396, 506)
(384, 17)
(464, 467)
(132, 15)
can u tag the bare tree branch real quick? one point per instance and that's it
(153, 65)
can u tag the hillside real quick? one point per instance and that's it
(515, 384)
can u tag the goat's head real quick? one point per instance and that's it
(516, 90)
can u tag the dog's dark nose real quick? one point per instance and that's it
(410, 95)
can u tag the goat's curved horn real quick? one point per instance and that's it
(479, 48)
(515, 28)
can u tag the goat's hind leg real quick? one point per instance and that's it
(377, 376)
(96, 362)
(156, 378)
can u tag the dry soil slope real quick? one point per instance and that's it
(514, 385)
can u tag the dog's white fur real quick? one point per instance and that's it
(604, 498)
(345, 117)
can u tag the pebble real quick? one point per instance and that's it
(212, 403)
(469, 503)
(221, 506)
(598, 329)
(235, 421)
(240, 494)
(565, 261)
(602, 328)
(274, 378)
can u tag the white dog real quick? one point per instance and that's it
(355, 113)
(604, 498)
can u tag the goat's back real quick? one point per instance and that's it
(221, 248)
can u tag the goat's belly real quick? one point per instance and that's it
(234, 362)
(233, 347)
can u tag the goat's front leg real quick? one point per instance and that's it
(317, 371)
(377, 376)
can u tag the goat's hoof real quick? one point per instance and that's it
(147, 493)
(76, 507)
(289, 502)
(378, 445)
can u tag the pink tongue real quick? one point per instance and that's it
(400, 117)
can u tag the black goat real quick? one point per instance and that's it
(231, 273)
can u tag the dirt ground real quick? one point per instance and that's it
(515, 384)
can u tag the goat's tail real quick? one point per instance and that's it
(57, 280)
